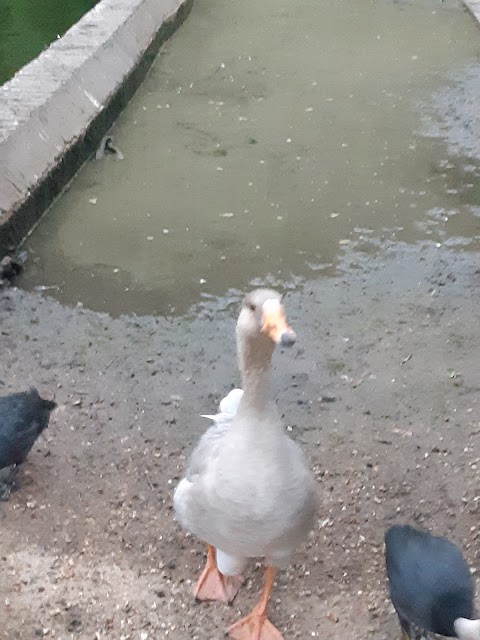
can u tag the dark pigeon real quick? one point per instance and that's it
(431, 586)
(23, 417)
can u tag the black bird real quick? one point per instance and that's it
(23, 417)
(431, 586)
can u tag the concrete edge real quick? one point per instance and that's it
(55, 111)
(474, 7)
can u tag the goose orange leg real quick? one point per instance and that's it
(256, 626)
(212, 585)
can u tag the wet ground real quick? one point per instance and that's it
(381, 389)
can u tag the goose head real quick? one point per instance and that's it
(262, 319)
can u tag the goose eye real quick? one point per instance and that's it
(252, 307)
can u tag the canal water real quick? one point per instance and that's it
(272, 143)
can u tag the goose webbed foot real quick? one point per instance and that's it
(257, 626)
(213, 585)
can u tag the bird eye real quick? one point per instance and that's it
(252, 307)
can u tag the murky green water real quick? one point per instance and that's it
(269, 139)
(28, 26)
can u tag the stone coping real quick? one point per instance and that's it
(55, 110)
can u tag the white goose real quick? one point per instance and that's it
(248, 491)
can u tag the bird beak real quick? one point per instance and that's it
(274, 324)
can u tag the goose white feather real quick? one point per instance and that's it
(227, 408)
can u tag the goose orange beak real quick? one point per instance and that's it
(275, 324)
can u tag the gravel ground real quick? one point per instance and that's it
(381, 390)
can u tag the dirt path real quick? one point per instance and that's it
(382, 390)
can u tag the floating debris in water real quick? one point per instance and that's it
(107, 147)
(44, 287)
(93, 200)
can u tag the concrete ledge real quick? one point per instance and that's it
(474, 7)
(55, 110)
